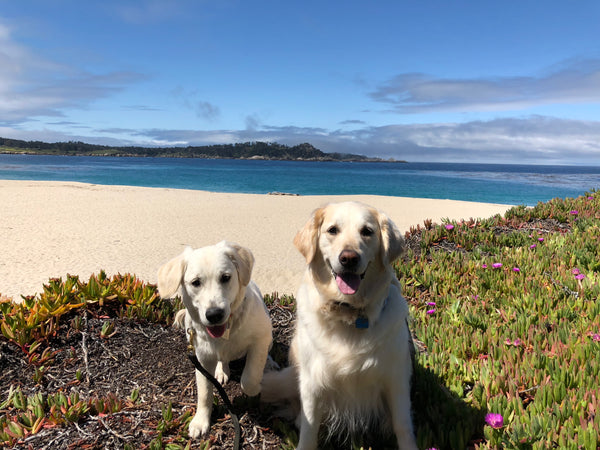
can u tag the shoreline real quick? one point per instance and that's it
(54, 228)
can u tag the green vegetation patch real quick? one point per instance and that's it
(508, 310)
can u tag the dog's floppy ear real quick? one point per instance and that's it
(307, 238)
(170, 275)
(243, 259)
(392, 242)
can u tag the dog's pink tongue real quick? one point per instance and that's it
(348, 283)
(216, 331)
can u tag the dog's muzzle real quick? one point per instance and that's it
(348, 282)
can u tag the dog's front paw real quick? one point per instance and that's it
(249, 386)
(222, 373)
(199, 426)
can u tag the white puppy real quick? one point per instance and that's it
(226, 314)
(349, 359)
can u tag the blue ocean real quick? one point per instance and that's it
(492, 183)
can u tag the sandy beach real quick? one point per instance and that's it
(50, 229)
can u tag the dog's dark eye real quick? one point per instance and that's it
(196, 282)
(333, 230)
(366, 231)
(225, 278)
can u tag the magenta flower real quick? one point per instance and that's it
(497, 265)
(494, 420)
(574, 212)
(575, 271)
(596, 337)
(430, 303)
(541, 239)
(590, 198)
(516, 269)
(449, 227)
(579, 276)
(517, 342)
(532, 246)
(484, 266)
(431, 312)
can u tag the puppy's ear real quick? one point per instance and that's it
(243, 259)
(306, 240)
(392, 242)
(170, 275)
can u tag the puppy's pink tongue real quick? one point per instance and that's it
(216, 331)
(348, 283)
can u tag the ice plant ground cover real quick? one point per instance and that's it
(506, 358)
(519, 344)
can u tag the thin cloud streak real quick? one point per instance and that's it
(32, 86)
(570, 82)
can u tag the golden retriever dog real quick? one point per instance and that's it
(350, 361)
(226, 314)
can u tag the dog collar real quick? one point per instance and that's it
(362, 320)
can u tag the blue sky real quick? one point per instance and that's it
(448, 81)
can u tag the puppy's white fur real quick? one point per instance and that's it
(217, 278)
(344, 375)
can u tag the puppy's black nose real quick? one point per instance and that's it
(215, 315)
(349, 259)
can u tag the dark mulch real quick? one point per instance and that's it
(149, 357)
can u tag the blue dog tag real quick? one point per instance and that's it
(362, 322)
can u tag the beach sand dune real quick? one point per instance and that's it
(50, 229)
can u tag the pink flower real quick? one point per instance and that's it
(541, 239)
(497, 265)
(430, 303)
(431, 312)
(516, 269)
(579, 276)
(596, 337)
(494, 420)
(574, 212)
(575, 271)
(449, 227)
(517, 342)
(532, 246)
(484, 266)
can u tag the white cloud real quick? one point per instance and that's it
(570, 82)
(32, 86)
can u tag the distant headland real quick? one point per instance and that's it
(246, 150)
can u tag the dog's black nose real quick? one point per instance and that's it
(349, 259)
(215, 315)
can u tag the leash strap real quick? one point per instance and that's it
(224, 397)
